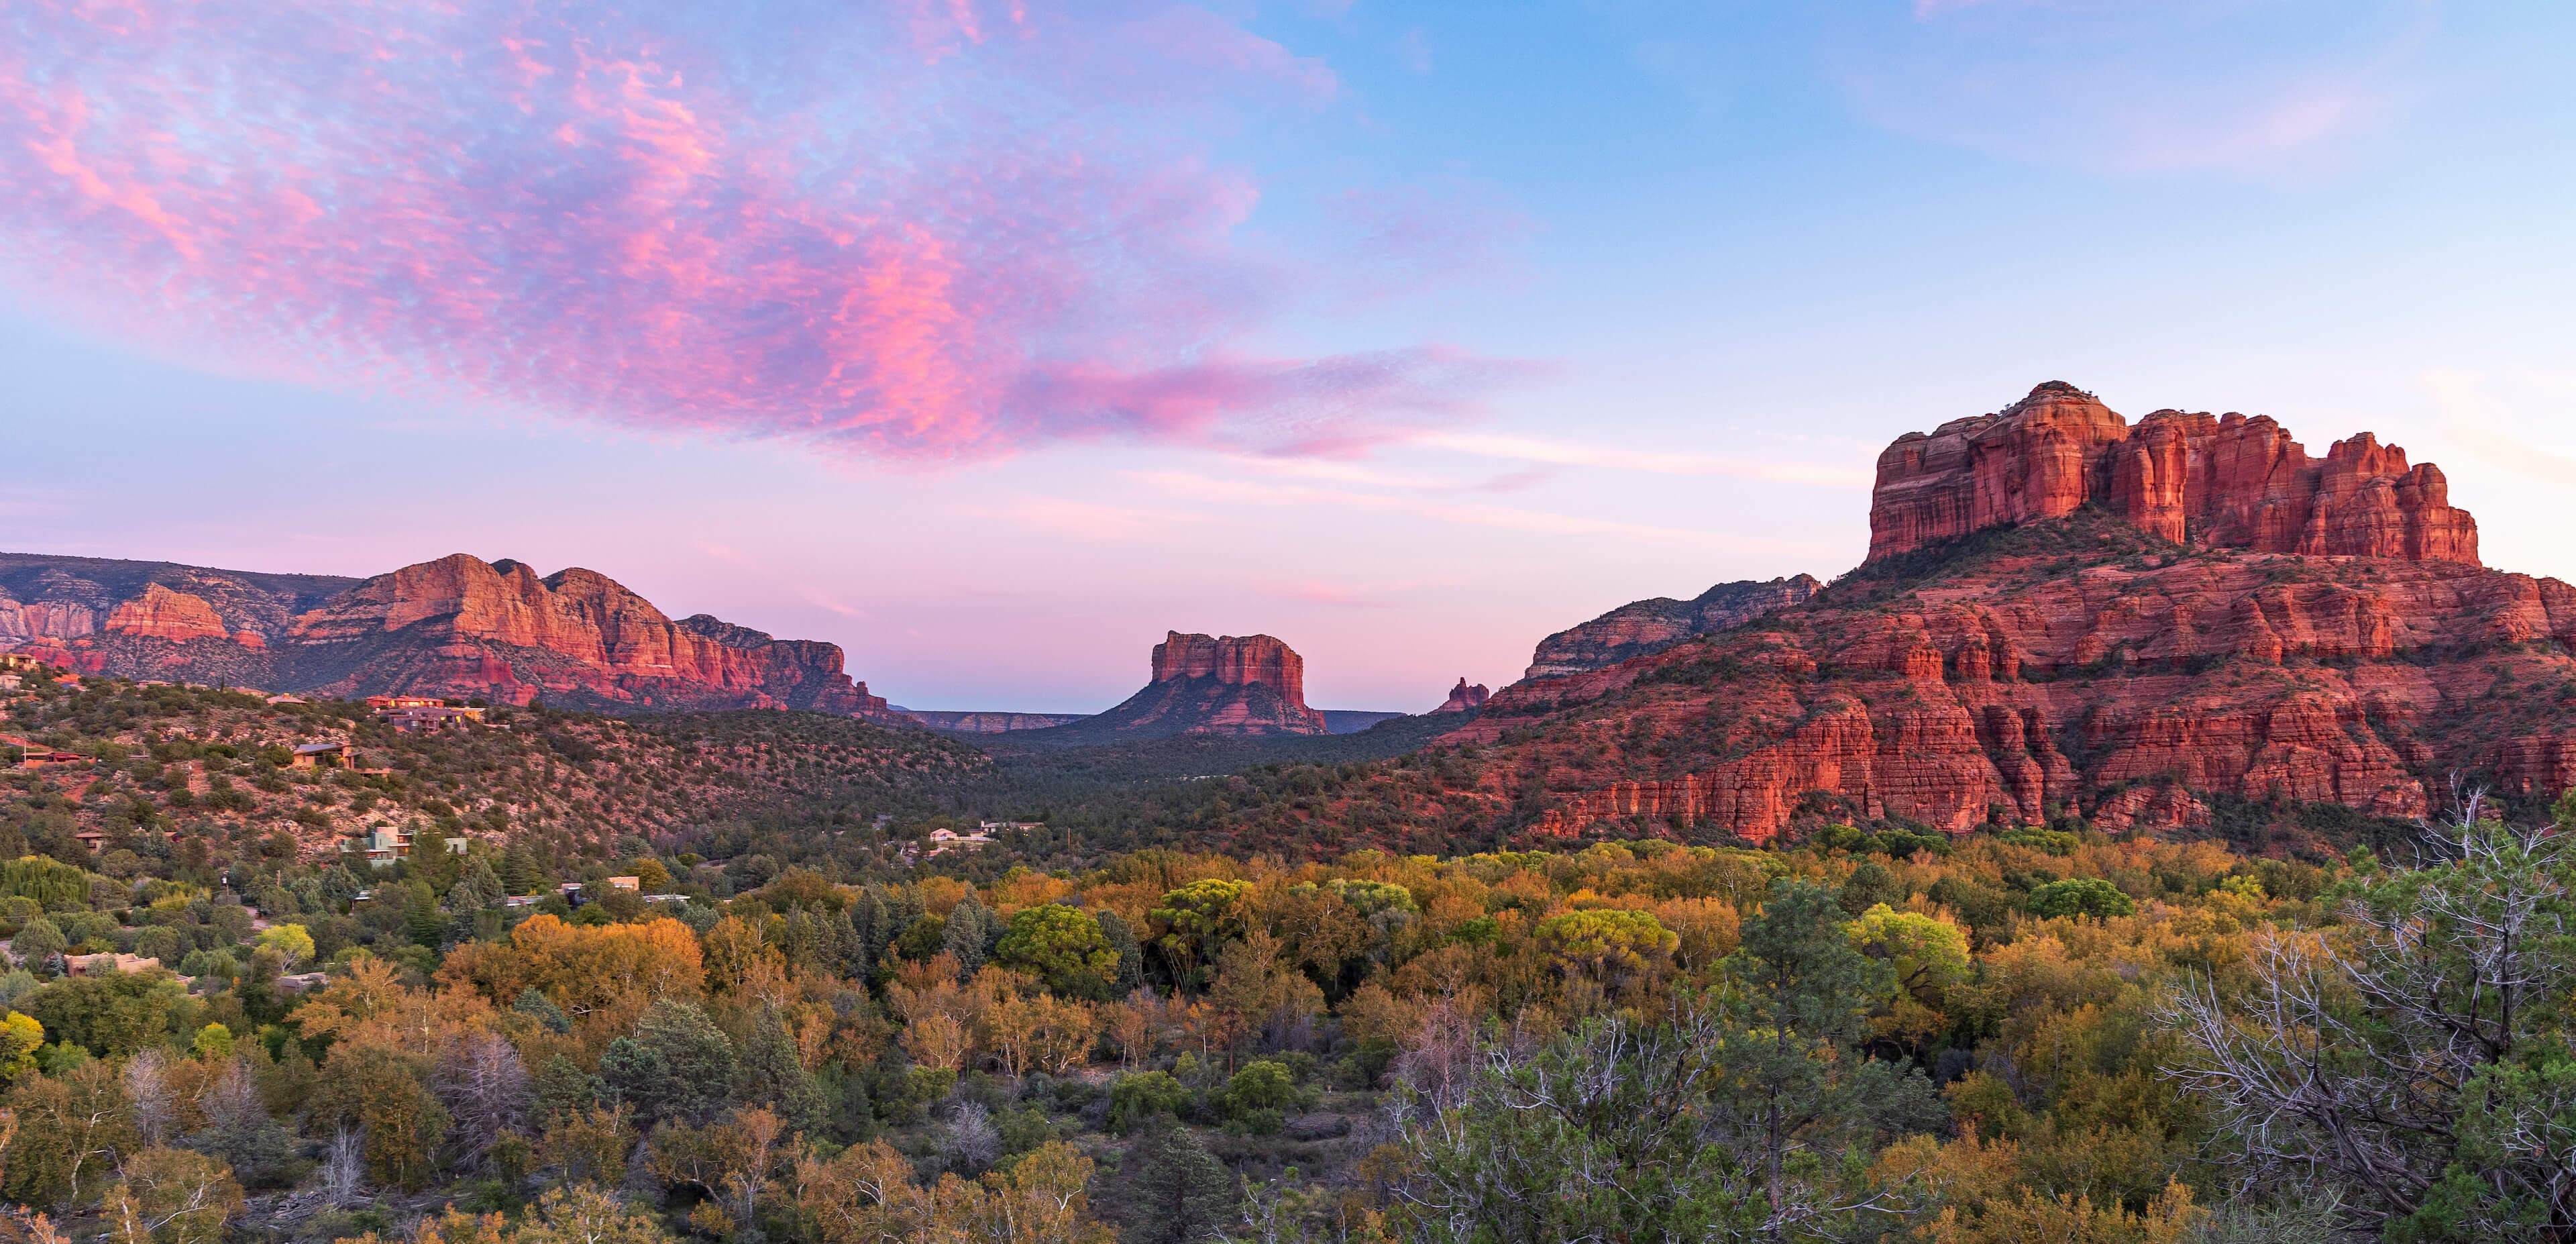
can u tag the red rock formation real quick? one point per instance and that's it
(461, 626)
(453, 627)
(160, 613)
(1640, 627)
(1204, 684)
(2003, 687)
(2222, 482)
(1464, 698)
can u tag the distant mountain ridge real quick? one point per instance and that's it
(454, 627)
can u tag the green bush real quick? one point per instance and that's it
(2079, 896)
(1258, 1096)
(1138, 1097)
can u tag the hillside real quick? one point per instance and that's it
(212, 766)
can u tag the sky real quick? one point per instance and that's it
(993, 340)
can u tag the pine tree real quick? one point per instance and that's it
(773, 1076)
(534, 1003)
(969, 935)
(1183, 1194)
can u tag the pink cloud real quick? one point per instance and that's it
(941, 229)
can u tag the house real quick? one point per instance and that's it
(428, 718)
(303, 982)
(324, 756)
(942, 839)
(381, 844)
(90, 838)
(101, 964)
(287, 699)
(519, 900)
(19, 661)
(11, 682)
(628, 884)
(456, 846)
(48, 758)
(995, 827)
(379, 703)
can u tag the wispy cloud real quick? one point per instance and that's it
(1576, 454)
(934, 229)
(1508, 518)
(1088, 520)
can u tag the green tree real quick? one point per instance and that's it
(288, 940)
(113, 1014)
(2418, 1056)
(677, 1066)
(773, 1076)
(1182, 1194)
(2079, 896)
(384, 1095)
(1798, 1089)
(39, 941)
(1197, 920)
(1062, 946)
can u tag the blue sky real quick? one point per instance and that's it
(1406, 333)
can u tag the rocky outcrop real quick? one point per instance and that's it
(1205, 684)
(2215, 481)
(455, 627)
(1464, 698)
(160, 613)
(1642, 627)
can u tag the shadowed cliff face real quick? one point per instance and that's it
(457, 627)
(2217, 481)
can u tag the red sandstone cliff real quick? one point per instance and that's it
(1205, 684)
(2218, 481)
(2170, 616)
(457, 626)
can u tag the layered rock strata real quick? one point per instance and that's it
(1206, 684)
(2226, 481)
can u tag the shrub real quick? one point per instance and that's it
(2079, 896)
(1141, 1096)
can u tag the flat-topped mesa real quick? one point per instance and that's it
(1207, 684)
(2226, 481)
(1232, 660)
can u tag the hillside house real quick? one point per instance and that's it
(943, 839)
(381, 844)
(628, 884)
(19, 661)
(428, 717)
(48, 758)
(989, 828)
(12, 682)
(324, 756)
(276, 700)
(380, 703)
(91, 839)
